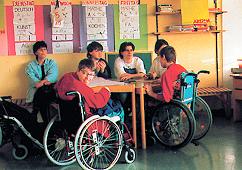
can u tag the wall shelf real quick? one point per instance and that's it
(188, 32)
(168, 13)
(217, 12)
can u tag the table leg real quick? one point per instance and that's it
(134, 118)
(142, 112)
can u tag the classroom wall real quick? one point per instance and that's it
(12, 69)
(232, 23)
(194, 51)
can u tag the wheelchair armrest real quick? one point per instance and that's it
(6, 97)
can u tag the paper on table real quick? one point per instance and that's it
(99, 81)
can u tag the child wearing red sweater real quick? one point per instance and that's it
(169, 77)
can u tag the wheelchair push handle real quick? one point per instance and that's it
(204, 72)
(5, 98)
(69, 93)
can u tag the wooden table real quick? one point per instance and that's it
(125, 88)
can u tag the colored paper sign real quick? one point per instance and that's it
(2, 16)
(94, 2)
(128, 2)
(194, 10)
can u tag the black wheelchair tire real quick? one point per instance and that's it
(190, 118)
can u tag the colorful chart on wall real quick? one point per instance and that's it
(193, 10)
(140, 37)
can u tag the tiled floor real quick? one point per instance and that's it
(221, 149)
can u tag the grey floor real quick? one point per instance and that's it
(221, 149)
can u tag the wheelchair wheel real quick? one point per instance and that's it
(57, 143)
(20, 152)
(203, 117)
(173, 124)
(130, 155)
(99, 144)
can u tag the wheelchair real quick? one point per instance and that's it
(16, 126)
(95, 142)
(187, 117)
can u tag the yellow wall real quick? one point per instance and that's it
(194, 51)
(12, 68)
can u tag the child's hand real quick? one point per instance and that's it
(153, 75)
(125, 77)
(148, 89)
(102, 65)
(108, 90)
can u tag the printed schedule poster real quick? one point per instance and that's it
(96, 21)
(24, 26)
(62, 36)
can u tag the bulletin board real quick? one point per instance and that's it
(43, 29)
(142, 42)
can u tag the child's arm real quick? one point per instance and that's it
(150, 92)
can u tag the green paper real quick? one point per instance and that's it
(140, 44)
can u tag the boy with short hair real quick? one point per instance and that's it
(156, 70)
(169, 77)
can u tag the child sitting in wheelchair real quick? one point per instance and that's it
(169, 77)
(101, 131)
(78, 81)
(170, 118)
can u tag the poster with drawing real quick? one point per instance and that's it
(62, 35)
(129, 19)
(96, 21)
(24, 26)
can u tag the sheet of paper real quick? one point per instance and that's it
(96, 21)
(94, 2)
(129, 21)
(96, 28)
(25, 38)
(104, 44)
(99, 81)
(24, 48)
(62, 47)
(193, 10)
(23, 14)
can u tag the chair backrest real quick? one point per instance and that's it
(146, 57)
(70, 114)
(187, 87)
